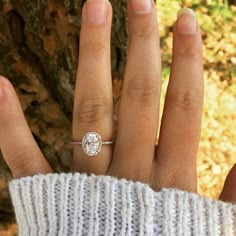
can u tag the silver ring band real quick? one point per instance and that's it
(92, 143)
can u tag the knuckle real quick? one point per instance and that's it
(10, 120)
(190, 52)
(92, 109)
(186, 101)
(94, 47)
(142, 89)
(146, 31)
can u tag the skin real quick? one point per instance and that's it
(134, 156)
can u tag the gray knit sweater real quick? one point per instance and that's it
(78, 204)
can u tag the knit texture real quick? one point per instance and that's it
(78, 204)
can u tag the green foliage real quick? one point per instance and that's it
(218, 25)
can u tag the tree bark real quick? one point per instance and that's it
(39, 47)
(232, 2)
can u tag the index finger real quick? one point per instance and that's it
(17, 144)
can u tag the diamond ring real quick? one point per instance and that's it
(92, 143)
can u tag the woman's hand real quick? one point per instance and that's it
(134, 155)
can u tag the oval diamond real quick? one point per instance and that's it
(92, 143)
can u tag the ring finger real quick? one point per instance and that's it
(93, 101)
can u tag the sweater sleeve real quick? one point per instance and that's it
(80, 204)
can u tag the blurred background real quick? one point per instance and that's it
(40, 49)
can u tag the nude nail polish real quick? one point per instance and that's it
(186, 22)
(96, 11)
(141, 7)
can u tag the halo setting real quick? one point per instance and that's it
(92, 143)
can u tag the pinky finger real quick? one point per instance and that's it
(229, 191)
(17, 144)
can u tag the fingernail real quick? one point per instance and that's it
(186, 23)
(96, 11)
(141, 7)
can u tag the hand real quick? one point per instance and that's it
(134, 155)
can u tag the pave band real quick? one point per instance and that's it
(103, 143)
(92, 143)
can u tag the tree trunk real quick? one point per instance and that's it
(39, 46)
(232, 2)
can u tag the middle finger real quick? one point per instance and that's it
(139, 108)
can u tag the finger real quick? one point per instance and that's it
(229, 191)
(93, 101)
(139, 108)
(181, 123)
(17, 144)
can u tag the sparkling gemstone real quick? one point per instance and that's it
(92, 143)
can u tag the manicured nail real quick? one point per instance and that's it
(96, 11)
(186, 23)
(141, 7)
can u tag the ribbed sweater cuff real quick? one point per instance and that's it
(78, 204)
